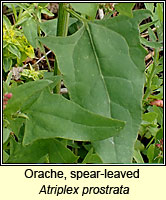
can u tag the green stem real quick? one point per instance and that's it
(152, 73)
(150, 142)
(62, 29)
(63, 20)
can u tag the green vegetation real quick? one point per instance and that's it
(95, 95)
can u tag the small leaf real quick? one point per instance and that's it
(6, 22)
(138, 157)
(160, 12)
(149, 6)
(159, 134)
(150, 44)
(125, 8)
(49, 27)
(22, 19)
(55, 80)
(16, 124)
(152, 35)
(14, 50)
(24, 93)
(5, 156)
(43, 5)
(143, 27)
(47, 12)
(7, 64)
(89, 9)
(23, 5)
(150, 153)
(153, 130)
(159, 111)
(5, 43)
(30, 31)
(6, 134)
(149, 117)
(56, 151)
(91, 158)
(139, 146)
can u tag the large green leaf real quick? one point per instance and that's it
(53, 149)
(103, 69)
(54, 116)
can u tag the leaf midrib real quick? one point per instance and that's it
(98, 64)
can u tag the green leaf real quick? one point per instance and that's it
(6, 22)
(62, 118)
(24, 93)
(55, 79)
(149, 6)
(159, 134)
(159, 111)
(149, 117)
(47, 12)
(143, 27)
(43, 5)
(106, 76)
(91, 158)
(5, 43)
(53, 149)
(152, 35)
(5, 156)
(138, 157)
(26, 6)
(150, 44)
(22, 19)
(150, 153)
(138, 146)
(6, 134)
(125, 8)
(8, 79)
(7, 64)
(30, 31)
(23, 5)
(50, 27)
(160, 12)
(16, 124)
(14, 50)
(89, 9)
(153, 130)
